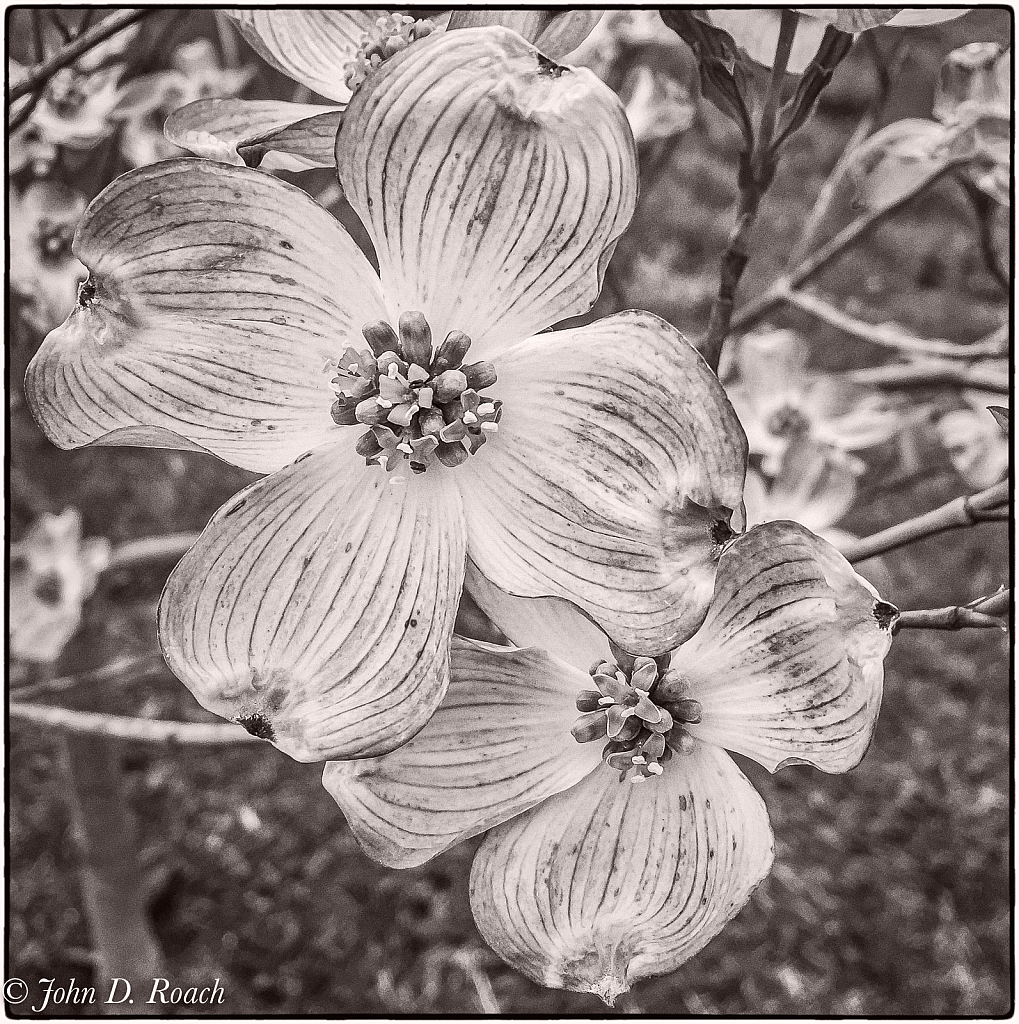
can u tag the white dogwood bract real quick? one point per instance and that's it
(588, 881)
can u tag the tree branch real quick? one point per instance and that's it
(756, 171)
(889, 337)
(150, 549)
(967, 510)
(121, 727)
(931, 372)
(758, 308)
(38, 76)
(984, 613)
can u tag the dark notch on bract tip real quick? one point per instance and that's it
(549, 67)
(258, 725)
(885, 614)
(86, 293)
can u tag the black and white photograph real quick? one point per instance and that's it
(509, 512)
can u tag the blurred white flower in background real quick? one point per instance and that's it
(44, 273)
(53, 571)
(976, 442)
(196, 74)
(778, 400)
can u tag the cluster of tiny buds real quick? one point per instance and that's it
(642, 733)
(421, 406)
(53, 240)
(66, 92)
(392, 33)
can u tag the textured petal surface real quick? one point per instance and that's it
(317, 607)
(788, 664)
(493, 183)
(609, 432)
(216, 295)
(309, 46)
(554, 34)
(756, 30)
(260, 133)
(499, 744)
(547, 622)
(609, 882)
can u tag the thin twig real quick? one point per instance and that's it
(889, 337)
(928, 373)
(758, 308)
(985, 613)
(39, 75)
(150, 549)
(967, 510)
(144, 730)
(983, 209)
(136, 667)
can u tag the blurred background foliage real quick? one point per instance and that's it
(890, 893)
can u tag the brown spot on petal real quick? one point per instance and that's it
(885, 614)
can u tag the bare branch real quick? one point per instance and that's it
(986, 613)
(120, 727)
(758, 308)
(889, 337)
(929, 373)
(38, 76)
(151, 549)
(985, 506)
(136, 667)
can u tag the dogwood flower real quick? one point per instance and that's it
(52, 573)
(778, 399)
(331, 52)
(979, 448)
(755, 30)
(44, 272)
(624, 839)
(317, 607)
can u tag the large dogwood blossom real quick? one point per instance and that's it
(330, 52)
(622, 841)
(318, 606)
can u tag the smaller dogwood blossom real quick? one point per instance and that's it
(975, 439)
(53, 571)
(778, 400)
(622, 835)
(45, 274)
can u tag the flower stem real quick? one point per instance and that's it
(968, 510)
(984, 613)
(45, 70)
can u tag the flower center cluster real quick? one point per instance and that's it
(392, 33)
(788, 422)
(53, 240)
(66, 93)
(422, 406)
(642, 732)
